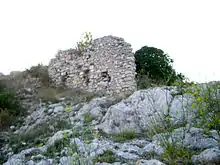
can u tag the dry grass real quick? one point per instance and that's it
(22, 80)
(40, 72)
(12, 82)
(53, 94)
(36, 76)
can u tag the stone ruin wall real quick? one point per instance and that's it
(106, 65)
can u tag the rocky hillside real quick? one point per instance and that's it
(170, 121)
(157, 126)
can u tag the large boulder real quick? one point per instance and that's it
(146, 107)
(209, 157)
(195, 138)
(96, 108)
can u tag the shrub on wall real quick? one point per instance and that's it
(86, 39)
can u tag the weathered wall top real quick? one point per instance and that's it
(106, 65)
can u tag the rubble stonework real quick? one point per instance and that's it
(106, 65)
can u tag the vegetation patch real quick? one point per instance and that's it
(207, 103)
(10, 108)
(108, 157)
(41, 72)
(85, 41)
(57, 147)
(37, 136)
(125, 135)
(85, 133)
(52, 94)
(207, 106)
(164, 125)
(175, 154)
(88, 118)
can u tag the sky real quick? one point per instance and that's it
(32, 31)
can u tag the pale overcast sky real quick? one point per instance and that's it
(32, 31)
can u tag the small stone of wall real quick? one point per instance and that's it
(106, 65)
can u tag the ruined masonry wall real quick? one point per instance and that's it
(106, 65)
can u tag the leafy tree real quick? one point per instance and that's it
(156, 64)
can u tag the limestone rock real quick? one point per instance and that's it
(127, 155)
(152, 147)
(144, 108)
(115, 163)
(58, 109)
(19, 158)
(149, 162)
(194, 138)
(57, 136)
(209, 156)
(96, 108)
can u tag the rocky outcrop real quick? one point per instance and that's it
(195, 138)
(209, 156)
(145, 108)
(107, 65)
(84, 142)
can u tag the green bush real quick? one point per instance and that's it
(175, 154)
(207, 102)
(88, 118)
(5, 119)
(10, 108)
(156, 64)
(40, 71)
(125, 135)
(57, 147)
(108, 157)
(9, 102)
(144, 82)
(85, 41)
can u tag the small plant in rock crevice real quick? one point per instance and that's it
(88, 118)
(124, 135)
(57, 147)
(85, 134)
(175, 154)
(107, 157)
